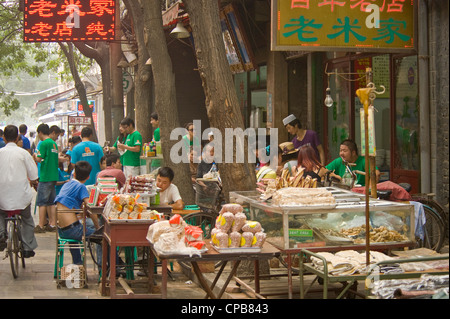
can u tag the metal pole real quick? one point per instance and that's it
(367, 160)
(373, 175)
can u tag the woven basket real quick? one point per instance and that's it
(73, 276)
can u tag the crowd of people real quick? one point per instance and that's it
(306, 151)
(61, 170)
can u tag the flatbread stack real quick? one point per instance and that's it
(295, 196)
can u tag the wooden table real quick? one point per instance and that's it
(267, 252)
(125, 233)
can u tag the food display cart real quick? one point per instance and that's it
(373, 273)
(330, 227)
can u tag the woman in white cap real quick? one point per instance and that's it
(303, 136)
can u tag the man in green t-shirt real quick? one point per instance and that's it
(154, 121)
(348, 151)
(48, 156)
(132, 148)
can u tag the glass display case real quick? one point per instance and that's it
(338, 226)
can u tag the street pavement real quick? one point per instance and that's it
(36, 280)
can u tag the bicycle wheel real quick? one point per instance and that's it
(21, 247)
(437, 208)
(203, 220)
(13, 248)
(433, 230)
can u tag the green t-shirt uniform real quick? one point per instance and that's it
(157, 135)
(339, 168)
(48, 151)
(133, 158)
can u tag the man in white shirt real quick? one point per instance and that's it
(17, 169)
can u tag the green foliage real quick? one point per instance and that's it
(8, 102)
(16, 57)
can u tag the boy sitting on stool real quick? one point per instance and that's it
(72, 195)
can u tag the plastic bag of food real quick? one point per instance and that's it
(247, 239)
(114, 215)
(260, 238)
(231, 208)
(252, 226)
(157, 229)
(234, 239)
(124, 199)
(224, 221)
(151, 214)
(193, 233)
(128, 209)
(123, 215)
(220, 239)
(239, 221)
(196, 244)
(139, 208)
(168, 242)
(178, 224)
(133, 215)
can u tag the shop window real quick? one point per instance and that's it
(251, 88)
(339, 112)
(406, 114)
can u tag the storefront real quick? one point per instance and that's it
(332, 46)
(396, 116)
(274, 81)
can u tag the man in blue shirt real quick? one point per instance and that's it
(72, 195)
(26, 142)
(2, 142)
(88, 151)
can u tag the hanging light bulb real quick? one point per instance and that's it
(328, 100)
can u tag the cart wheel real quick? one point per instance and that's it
(203, 220)
(294, 265)
(350, 292)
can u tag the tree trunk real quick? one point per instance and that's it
(143, 78)
(222, 104)
(79, 86)
(99, 51)
(165, 93)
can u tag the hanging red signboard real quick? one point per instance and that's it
(69, 20)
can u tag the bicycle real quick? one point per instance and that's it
(208, 198)
(428, 199)
(14, 245)
(436, 227)
(433, 231)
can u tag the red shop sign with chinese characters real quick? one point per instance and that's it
(69, 20)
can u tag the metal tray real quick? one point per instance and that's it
(308, 207)
(131, 221)
(237, 250)
(178, 253)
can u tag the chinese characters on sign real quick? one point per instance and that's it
(69, 20)
(79, 120)
(352, 25)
